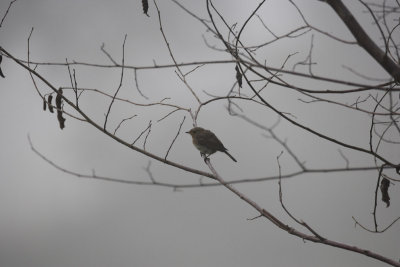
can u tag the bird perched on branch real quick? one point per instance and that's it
(207, 143)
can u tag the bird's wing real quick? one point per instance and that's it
(209, 139)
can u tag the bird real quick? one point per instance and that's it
(207, 142)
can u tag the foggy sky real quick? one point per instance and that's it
(51, 218)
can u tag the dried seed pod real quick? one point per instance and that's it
(385, 183)
(49, 99)
(1, 72)
(44, 104)
(145, 5)
(238, 76)
(59, 98)
(61, 119)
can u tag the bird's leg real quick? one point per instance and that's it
(204, 155)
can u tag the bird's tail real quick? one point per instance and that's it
(226, 152)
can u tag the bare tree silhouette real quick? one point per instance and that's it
(253, 78)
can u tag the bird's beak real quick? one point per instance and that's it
(188, 132)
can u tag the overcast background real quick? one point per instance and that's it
(50, 218)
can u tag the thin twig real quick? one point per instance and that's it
(344, 157)
(145, 130)
(119, 125)
(102, 48)
(182, 76)
(176, 136)
(119, 86)
(137, 84)
(375, 231)
(147, 169)
(147, 135)
(5, 15)
(376, 197)
(169, 113)
(284, 207)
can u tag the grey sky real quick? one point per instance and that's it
(50, 218)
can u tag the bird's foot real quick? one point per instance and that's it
(206, 158)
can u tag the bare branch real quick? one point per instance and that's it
(5, 15)
(364, 40)
(176, 136)
(316, 239)
(182, 76)
(137, 84)
(119, 125)
(119, 86)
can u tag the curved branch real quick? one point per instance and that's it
(316, 238)
(100, 128)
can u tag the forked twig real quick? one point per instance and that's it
(119, 86)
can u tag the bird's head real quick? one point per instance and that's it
(195, 131)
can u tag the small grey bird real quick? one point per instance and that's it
(207, 143)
